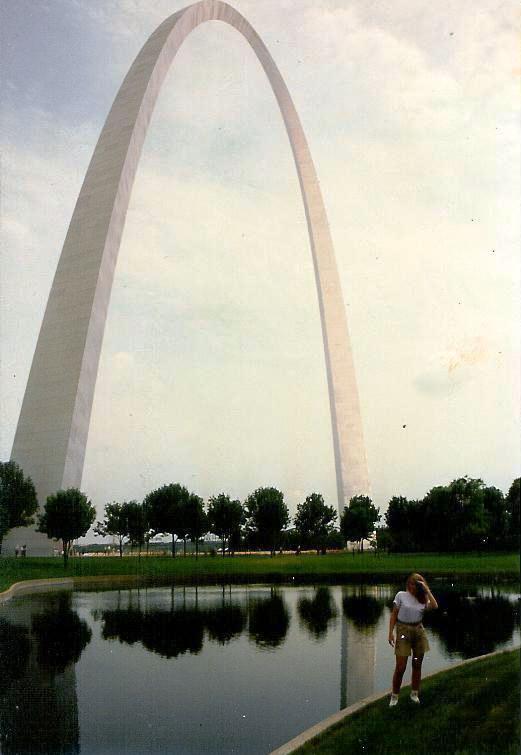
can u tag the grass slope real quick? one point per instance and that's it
(465, 711)
(334, 567)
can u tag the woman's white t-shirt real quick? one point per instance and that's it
(410, 610)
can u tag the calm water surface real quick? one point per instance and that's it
(211, 669)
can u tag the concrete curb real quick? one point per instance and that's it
(31, 586)
(327, 723)
(108, 579)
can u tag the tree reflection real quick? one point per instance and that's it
(167, 633)
(61, 636)
(123, 624)
(316, 613)
(225, 622)
(268, 621)
(180, 630)
(171, 634)
(363, 610)
(472, 625)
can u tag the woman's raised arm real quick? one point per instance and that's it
(430, 597)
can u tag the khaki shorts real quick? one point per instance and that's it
(410, 637)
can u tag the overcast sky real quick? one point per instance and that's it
(212, 369)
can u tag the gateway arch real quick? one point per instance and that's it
(52, 430)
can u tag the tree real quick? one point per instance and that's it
(235, 540)
(196, 520)
(314, 520)
(438, 517)
(67, 515)
(496, 517)
(513, 505)
(267, 515)
(335, 540)
(454, 515)
(181, 528)
(358, 519)
(384, 540)
(225, 517)
(18, 501)
(468, 499)
(164, 510)
(115, 523)
(403, 521)
(137, 526)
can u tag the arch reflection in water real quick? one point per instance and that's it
(362, 608)
(39, 645)
(15, 648)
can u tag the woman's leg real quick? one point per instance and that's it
(401, 664)
(416, 672)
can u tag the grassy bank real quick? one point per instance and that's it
(333, 567)
(468, 710)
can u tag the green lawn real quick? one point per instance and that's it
(341, 567)
(468, 710)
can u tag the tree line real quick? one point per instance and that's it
(262, 521)
(464, 515)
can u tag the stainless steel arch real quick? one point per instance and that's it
(52, 430)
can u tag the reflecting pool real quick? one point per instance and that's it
(232, 669)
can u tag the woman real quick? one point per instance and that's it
(407, 614)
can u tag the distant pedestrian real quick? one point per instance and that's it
(24, 551)
(17, 551)
(406, 616)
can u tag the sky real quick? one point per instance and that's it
(212, 369)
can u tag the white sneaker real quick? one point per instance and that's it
(393, 701)
(414, 697)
